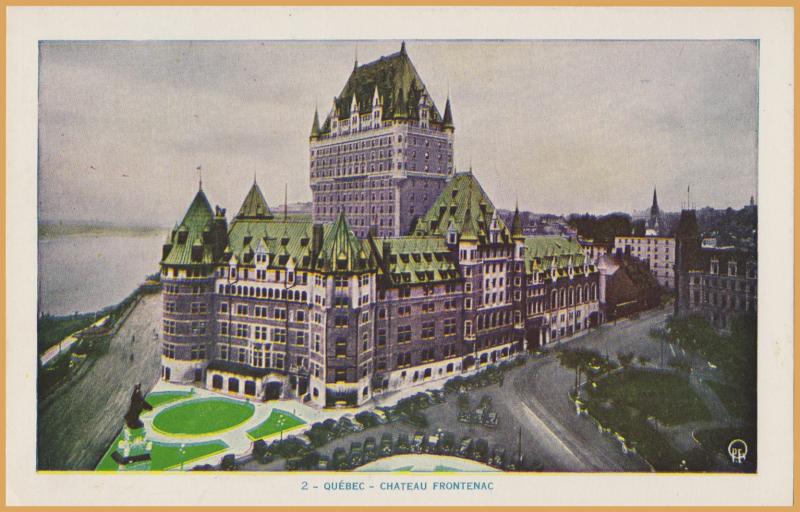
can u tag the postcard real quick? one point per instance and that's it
(418, 256)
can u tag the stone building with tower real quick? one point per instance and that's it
(273, 306)
(404, 273)
(718, 283)
(656, 248)
(383, 151)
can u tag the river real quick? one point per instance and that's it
(87, 272)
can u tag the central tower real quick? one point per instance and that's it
(383, 153)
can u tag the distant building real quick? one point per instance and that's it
(593, 250)
(658, 252)
(718, 283)
(655, 222)
(383, 152)
(626, 286)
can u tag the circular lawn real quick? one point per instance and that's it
(202, 416)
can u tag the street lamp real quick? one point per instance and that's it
(183, 453)
(281, 424)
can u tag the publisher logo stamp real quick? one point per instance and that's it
(737, 449)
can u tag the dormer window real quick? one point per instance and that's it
(732, 268)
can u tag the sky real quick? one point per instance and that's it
(559, 126)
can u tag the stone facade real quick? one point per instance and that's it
(290, 308)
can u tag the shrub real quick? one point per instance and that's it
(368, 419)
(228, 463)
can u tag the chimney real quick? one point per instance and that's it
(387, 250)
(316, 240)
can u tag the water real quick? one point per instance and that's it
(87, 272)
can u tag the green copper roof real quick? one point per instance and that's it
(283, 240)
(342, 250)
(464, 203)
(416, 259)
(543, 252)
(315, 125)
(190, 233)
(398, 84)
(254, 205)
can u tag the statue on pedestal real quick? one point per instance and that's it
(133, 450)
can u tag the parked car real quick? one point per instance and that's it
(417, 443)
(490, 420)
(370, 451)
(339, 459)
(349, 426)
(402, 446)
(480, 451)
(465, 447)
(498, 457)
(431, 444)
(447, 443)
(356, 455)
(386, 445)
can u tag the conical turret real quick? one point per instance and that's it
(447, 121)
(315, 127)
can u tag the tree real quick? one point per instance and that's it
(584, 360)
(625, 359)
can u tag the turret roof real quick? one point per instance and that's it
(464, 203)
(198, 218)
(399, 86)
(254, 205)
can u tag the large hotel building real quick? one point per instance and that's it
(405, 274)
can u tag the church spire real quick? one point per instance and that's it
(516, 222)
(655, 201)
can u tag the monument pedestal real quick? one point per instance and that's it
(132, 453)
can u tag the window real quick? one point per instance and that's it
(341, 347)
(169, 326)
(300, 316)
(381, 339)
(404, 334)
(341, 375)
(223, 307)
(241, 309)
(428, 330)
(449, 326)
(279, 335)
(300, 338)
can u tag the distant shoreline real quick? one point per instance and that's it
(54, 230)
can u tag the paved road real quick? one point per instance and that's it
(535, 397)
(77, 424)
(542, 387)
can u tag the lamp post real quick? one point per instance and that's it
(281, 424)
(183, 453)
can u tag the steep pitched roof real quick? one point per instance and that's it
(254, 205)
(464, 203)
(283, 240)
(315, 125)
(447, 122)
(415, 260)
(542, 252)
(397, 82)
(189, 233)
(342, 250)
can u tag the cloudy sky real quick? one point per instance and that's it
(561, 126)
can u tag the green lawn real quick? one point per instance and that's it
(623, 401)
(202, 416)
(738, 402)
(165, 397)
(273, 424)
(665, 396)
(167, 456)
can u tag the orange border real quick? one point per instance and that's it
(795, 4)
